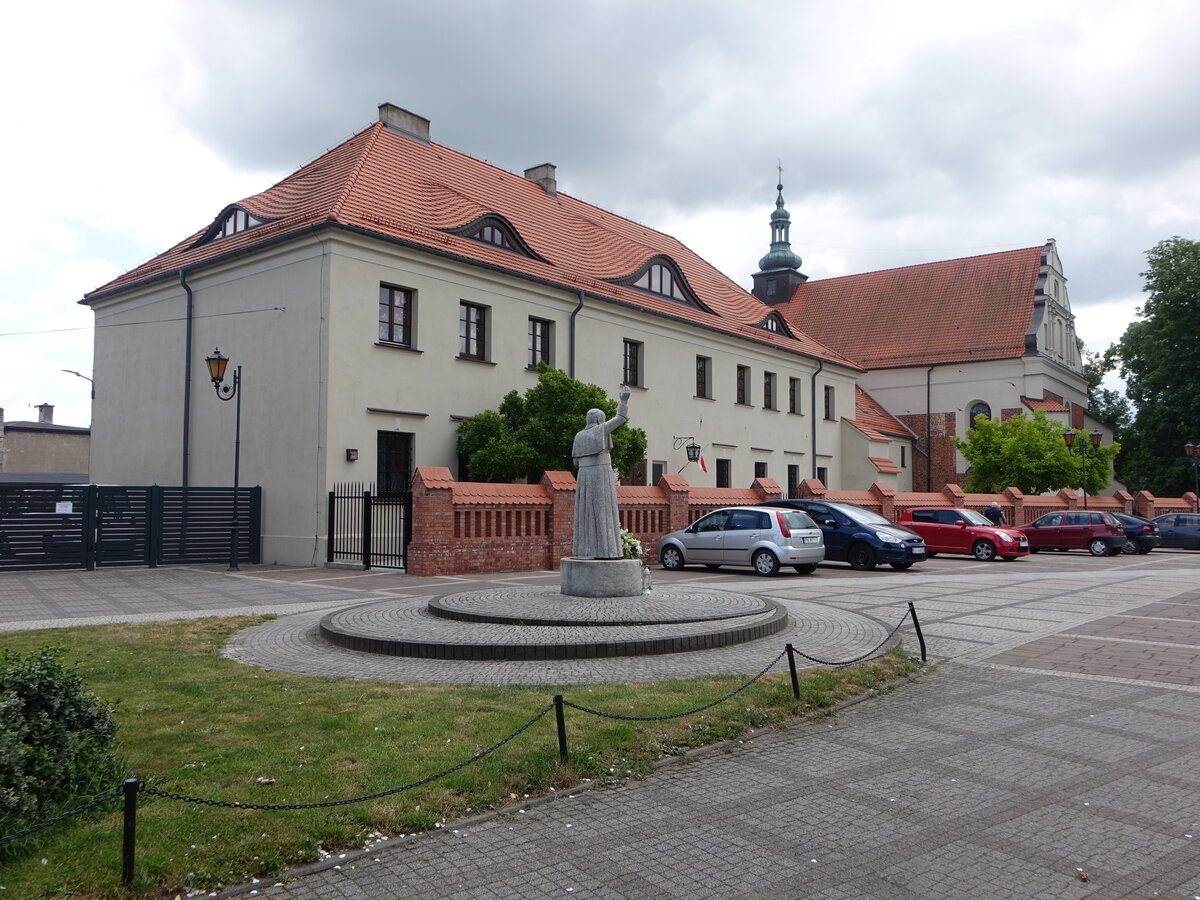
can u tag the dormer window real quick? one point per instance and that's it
(658, 279)
(662, 277)
(233, 220)
(496, 232)
(775, 324)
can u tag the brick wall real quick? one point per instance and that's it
(464, 528)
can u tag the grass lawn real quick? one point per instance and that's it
(193, 723)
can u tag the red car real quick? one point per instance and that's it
(948, 529)
(1097, 532)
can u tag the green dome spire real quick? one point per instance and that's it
(780, 255)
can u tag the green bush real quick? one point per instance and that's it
(56, 739)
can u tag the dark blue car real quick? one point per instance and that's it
(1179, 530)
(859, 536)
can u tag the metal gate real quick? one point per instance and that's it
(367, 528)
(73, 526)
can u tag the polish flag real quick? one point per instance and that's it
(703, 465)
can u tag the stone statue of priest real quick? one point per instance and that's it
(597, 524)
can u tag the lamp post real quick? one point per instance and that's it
(1084, 450)
(216, 369)
(85, 378)
(1193, 458)
(690, 447)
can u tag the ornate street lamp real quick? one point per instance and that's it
(689, 445)
(1084, 451)
(217, 364)
(1193, 458)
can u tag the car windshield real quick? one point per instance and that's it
(862, 516)
(973, 518)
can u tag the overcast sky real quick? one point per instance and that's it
(908, 132)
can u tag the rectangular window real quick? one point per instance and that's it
(760, 470)
(658, 468)
(472, 331)
(743, 385)
(823, 475)
(830, 406)
(723, 476)
(395, 315)
(540, 332)
(768, 390)
(903, 456)
(632, 369)
(794, 389)
(704, 377)
(793, 482)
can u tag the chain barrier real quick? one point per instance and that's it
(98, 801)
(867, 655)
(234, 804)
(733, 693)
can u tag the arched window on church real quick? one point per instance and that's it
(978, 409)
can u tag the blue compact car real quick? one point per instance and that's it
(859, 536)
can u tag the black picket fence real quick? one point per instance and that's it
(85, 526)
(132, 787)
(368, 528)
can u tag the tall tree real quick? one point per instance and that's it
(532, 434)
(1104, 404)
(1029, 453)
(1159, 358)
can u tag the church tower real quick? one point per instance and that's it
(779, 271)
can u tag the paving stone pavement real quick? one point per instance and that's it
(1057, 738)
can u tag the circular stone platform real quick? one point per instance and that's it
(531, 623)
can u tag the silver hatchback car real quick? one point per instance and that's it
(761, 537)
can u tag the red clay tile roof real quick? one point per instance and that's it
(402, 189)
(1049, 404)
(884, 465)
(874, 421)
(465, 492)
(952, 311)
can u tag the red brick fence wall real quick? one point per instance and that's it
(469, 527)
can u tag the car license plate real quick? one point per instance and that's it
(918, 551)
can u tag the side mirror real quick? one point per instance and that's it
(828, 523)
(960, 523)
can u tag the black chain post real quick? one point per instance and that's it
(130, 835)
(562, 727)
(912, 611)
(791, 652)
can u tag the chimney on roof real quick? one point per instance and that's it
(404, 122)
(45, 413)
(544, 175)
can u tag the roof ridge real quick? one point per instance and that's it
(936, 262)
(352, 179)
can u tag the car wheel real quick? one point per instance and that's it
(671, 558)
(764, 562)
(901, 566)
(806, 569)
(861, 557)
(1097, 547)
(984, 550)
(712, 567)
(1129, 547)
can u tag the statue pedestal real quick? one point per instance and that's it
(600, 577)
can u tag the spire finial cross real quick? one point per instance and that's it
(779, 166)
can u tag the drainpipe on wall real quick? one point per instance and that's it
(928, 430)
(571, 337)
(813, 406)
(187, 376)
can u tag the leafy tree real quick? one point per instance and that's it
(1159, 358)
(532, 434)
(1029, 453)
(1104, 405)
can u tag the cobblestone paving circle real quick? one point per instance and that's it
(293, 644)
(532, 605)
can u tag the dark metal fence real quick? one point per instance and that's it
(368, 528)
(83, 526)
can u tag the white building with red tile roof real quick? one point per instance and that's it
(394, 286)
(944, 341)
